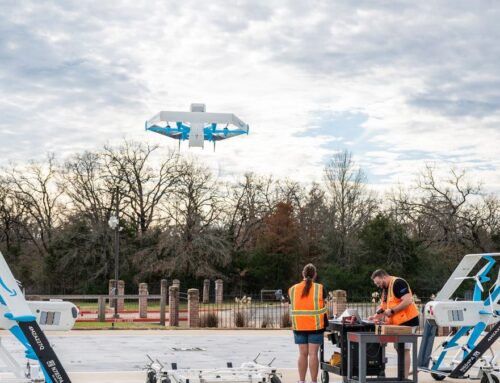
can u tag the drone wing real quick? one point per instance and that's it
(197, 126)
(169, 132)
(220, 137)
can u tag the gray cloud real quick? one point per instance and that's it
(458, 107)
(59, 70)
(348, 37)
(451, 47)
(47, 53)
(69, 68)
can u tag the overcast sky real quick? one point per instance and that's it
(397, 83)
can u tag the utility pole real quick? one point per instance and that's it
(114, 223)
(117, 248)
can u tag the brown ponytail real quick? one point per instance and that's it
(309, 273)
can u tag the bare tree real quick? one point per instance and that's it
(11, 217)
(146, 179)
(85, 182)
(351, 203)
(313, 220)
(193, 243)
(479, 222)
(249, 202)
(291, 192)
(91, 193)
(437, 208)
(35, 189)
(491, 216)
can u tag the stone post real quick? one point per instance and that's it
(173, 306)
(163, 300)
(143, 300)
(206, 291)
(121, 291)
(219, 293)
(177, 284)
(193, 308)
(443, 331)
(338, 303)
(111, 291)
(101, 309)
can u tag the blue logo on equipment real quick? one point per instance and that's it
(12, 293)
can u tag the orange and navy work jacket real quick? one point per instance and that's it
(392, 301)
(307, 313)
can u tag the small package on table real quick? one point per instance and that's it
(393, 330)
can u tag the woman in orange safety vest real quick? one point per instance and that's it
(308, 313)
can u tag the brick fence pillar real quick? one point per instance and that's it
(219, 293)
(121, 291)
(111, 291)
(206, 291)
(173, 306)
(443, 331)
(193, 308)
(143, 300)
(338, 303)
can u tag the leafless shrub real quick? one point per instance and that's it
(286, 320)
(267, 322)
(240, 319)
(209, 320)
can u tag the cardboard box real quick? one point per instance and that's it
(393, 330)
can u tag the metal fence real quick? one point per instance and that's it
(112, 308)
(233, 312)
(248, 314)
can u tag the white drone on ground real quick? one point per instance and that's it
(475, 324)
(25, 320)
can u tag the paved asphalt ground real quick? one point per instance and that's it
(119, 355)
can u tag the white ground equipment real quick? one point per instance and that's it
(25, 320)
(467, 352)
(251, 372)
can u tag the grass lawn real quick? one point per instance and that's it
(133, 306)
(118, 326)
(155, 306)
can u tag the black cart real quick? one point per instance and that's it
(337, 334)
(358, 356)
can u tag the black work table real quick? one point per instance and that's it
(364, 338)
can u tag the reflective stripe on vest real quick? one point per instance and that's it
(316, 304)
(292, 298)
(308, 312)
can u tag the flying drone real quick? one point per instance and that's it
(197, 126)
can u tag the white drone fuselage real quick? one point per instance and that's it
(197, 120)
(455, 313)
(50, 315)
(25, 320)
(460, 354)
(460, 313)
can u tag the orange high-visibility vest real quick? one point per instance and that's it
(392, 301)
(307, 313)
